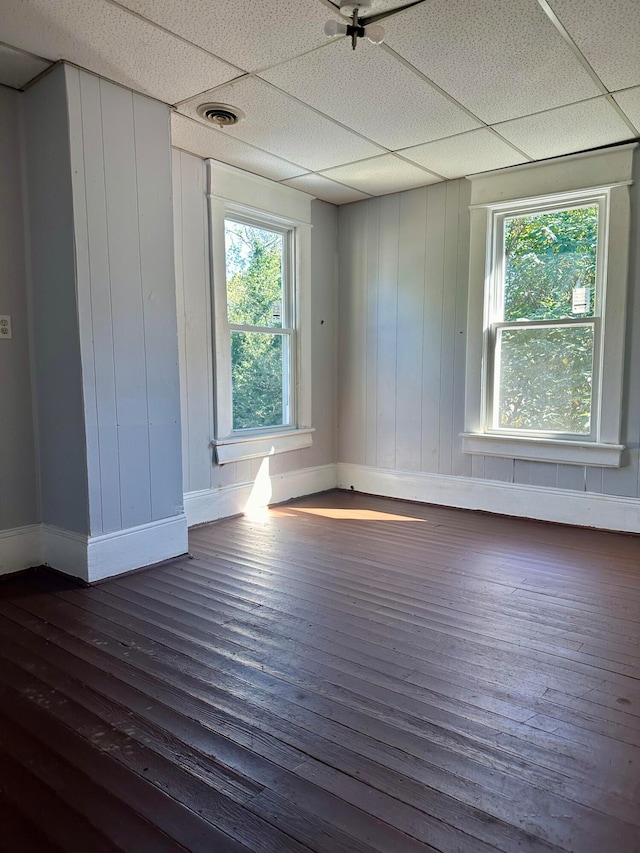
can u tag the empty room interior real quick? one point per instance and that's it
(320, 426)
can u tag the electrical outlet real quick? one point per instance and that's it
(5, 327)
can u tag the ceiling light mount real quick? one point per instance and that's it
(222, 115)
(362, 27)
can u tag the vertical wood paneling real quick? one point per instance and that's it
(521, 470)
(461, 462)
(352, 351)
(18, 490)
(543, 474)
(447, 345)
(413, 225)
(197, 324)
(571, 477)
(371, 360)
(176, 177)
(101, 307)
(496, 468)
(432, 326)
(387, 331)
(80, 177)
(126, 292)
(443, 260)
(153, 172)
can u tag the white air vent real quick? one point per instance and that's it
(223, 115)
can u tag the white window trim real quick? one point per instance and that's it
(607, 173)
(235, 193)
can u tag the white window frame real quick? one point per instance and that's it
(242, 197)
(603, 177)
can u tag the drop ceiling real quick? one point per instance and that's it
(459, 86)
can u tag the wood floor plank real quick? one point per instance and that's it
(346, 673)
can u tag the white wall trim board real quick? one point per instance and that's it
(94, 558)
(20, 548)
(213, 504)
(562, 506)
(124, 550)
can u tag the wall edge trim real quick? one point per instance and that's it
(562, 506)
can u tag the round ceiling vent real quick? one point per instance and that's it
(223, 115)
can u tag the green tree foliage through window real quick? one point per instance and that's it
(545, 373)
(254, 260)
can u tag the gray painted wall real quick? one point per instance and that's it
(104, 309)
(57, 368)
(403, 316)
(126, 302)
(18, 492)
(194, 332)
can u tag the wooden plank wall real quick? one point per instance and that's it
(18, 492)
(403, 314)
(196, 345)
(121, 157)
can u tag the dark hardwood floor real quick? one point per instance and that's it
(344, 673)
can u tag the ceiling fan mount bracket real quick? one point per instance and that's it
(348, 7)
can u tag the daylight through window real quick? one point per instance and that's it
(260, 316)
(545, 306)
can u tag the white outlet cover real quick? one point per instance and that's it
(5, 327)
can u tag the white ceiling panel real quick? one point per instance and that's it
(325, 189)
(382, 175)
(246, 33)
(285, 127)
(17, 67)
(589, 124)
(466, 154)
(111, 42)
(500, 58)
(379, 96)
(208, 142)
(608, 33)
(629, 101)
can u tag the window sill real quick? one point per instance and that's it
(543, 449)
(234, 448)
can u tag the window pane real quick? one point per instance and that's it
(550, 264)
(254, 258)
(545, 378)
(258, 379)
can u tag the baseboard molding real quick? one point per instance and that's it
(584, 509)
(92, 558)
(213, 504)
(20, 548)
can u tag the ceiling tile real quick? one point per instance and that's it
(277, 123)
(608, 33)
(629, 102)
(325, 189)
(113, 43)
(382, 175)
(373, 92)
(208, 142)
(578, 127)
(500, 58)
(246, 33)
(17, 67)
(466, 154)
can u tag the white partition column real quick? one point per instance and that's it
(104, 325)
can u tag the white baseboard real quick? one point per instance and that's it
(585, 509)
(212, 504)
(20, 548)
(93, 558)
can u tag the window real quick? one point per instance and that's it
(261, 320)
(548, 277)
(260, 289)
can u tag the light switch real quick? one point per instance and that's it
(5, 327)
